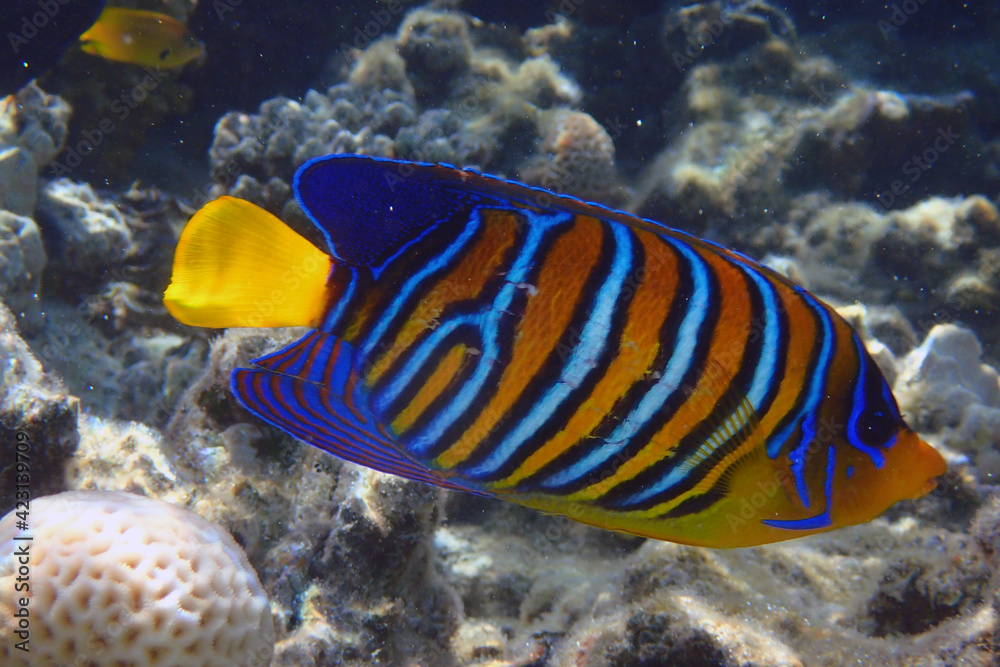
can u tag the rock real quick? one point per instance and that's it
(945, 386)
(85, 234)
(916, 594)
(18, 181)
(435, 46)
(37, 419)
(576, 157)
(33, 129)
(22, 259)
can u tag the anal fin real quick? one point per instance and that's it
(307, 389)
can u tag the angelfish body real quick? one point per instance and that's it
(482, 335)
(141, 37)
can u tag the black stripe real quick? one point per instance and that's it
(731, 399)
(781, 347)
(552, 367)
(679, 307)
(811, 368)
(505, 338)
(395, 274)
(450, 311)
(340, 277)
(696, 504)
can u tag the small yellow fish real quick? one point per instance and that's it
(140, 37)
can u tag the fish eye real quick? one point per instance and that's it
(874, 419)
(875, 426)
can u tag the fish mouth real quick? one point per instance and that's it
(925, 461)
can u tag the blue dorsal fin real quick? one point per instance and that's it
(369, 208)
(306, 389)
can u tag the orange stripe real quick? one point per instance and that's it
(802, 334)
(638, 347)
(352, 381)
(448, 367)
(724, 360)
(843, 369)
(362, 315)
(465, 282)
(543, 327)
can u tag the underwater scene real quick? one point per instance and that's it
(431, 333)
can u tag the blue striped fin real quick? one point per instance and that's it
(305, 389)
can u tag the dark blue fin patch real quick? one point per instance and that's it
(308, 389)
(369, 209)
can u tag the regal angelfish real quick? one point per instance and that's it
(483, 335)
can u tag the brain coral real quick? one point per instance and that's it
(577, 156)
(119, 580)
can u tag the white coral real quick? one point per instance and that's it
(117, 579)
(946, 388)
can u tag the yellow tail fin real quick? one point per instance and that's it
(236, 265)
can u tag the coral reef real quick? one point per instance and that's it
(757, 141)
(936, 261)
(577, 157)
(737, 121)
(428, 94)
(369, 537)
(745, 126)
(117, 578)
(881, 592)
(949, 392)
(345, 552)
(22, 259)
(436, 47)
(35, 413)
(898, 138)
(101, 262)
(33, 130)
(85, 234)
(116, 108)
(767, 128)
